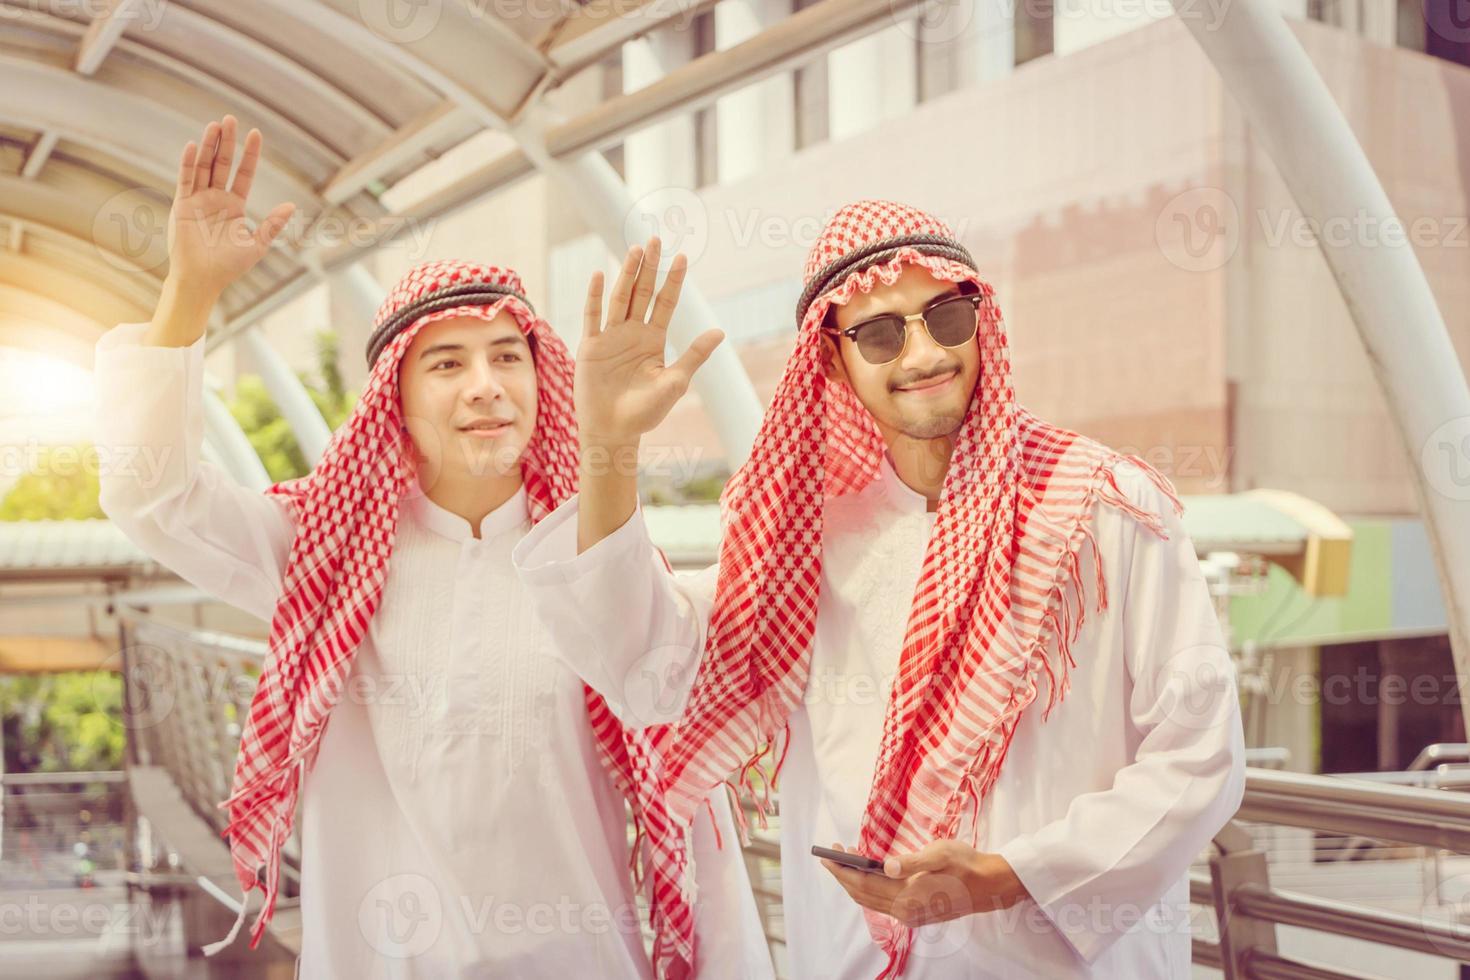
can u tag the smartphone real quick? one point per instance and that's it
(849, 860)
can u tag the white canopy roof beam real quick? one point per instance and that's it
(821, 27)
(103, 33)
(288, 138)
(74, 290)
(596, 29)
(39, 153)
(439, 124)
(98, 40)
(23, 224)
(805, 34)
(449, 51)
(129, 127)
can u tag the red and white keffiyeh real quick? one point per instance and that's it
(997, 606)
(346, 515)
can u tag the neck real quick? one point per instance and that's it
(921, 464)
(473, 497)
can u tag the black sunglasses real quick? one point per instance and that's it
(950, 320)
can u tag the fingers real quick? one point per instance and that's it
(869, 891)
(592, 312)
(931, 857)
(204, 161)
(692, 359)
(185, 185)
(219, 174)
(617, 307)
(647, 277)
(668, 296)
(249, 160)
(272, 225)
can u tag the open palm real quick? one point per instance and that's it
(623, 386)
(211, 242)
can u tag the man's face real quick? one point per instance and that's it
(468, 391)
(925, 392)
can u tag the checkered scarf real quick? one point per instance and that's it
(346, 513)
(999, 599)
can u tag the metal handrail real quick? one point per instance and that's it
(1237, 888)
(1440, 752)
(1288, 908)
(62, 778)
(1260, 965)
(1405, 814)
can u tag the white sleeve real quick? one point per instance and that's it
(618, 617)
(185, 513)
(730, 942)
(1123, 847)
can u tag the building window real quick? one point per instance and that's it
(937, 59)
(809, 90)
(809, 85)
(706, 132)
(612, 87)
(1034, 35)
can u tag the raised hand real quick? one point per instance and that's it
(211, 242)
(623, 386)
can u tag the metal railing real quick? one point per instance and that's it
(186, 690)
(1412, 828)
(184, 694)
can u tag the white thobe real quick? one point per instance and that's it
(1099, 811)
(457, 820)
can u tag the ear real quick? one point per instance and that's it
(833, 368)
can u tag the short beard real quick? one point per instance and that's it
(932, 427)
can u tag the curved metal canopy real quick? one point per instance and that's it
(98, 97)
(351, 96)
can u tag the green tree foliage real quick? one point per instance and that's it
(62, 722)
(60, 486)
(269, 433)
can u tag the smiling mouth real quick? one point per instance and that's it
(931, 384)
(485, 429)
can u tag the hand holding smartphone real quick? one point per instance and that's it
(849, 859)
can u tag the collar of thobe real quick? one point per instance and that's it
(511, 514)
(900, 495)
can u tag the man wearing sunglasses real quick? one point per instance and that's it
(976, 646)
